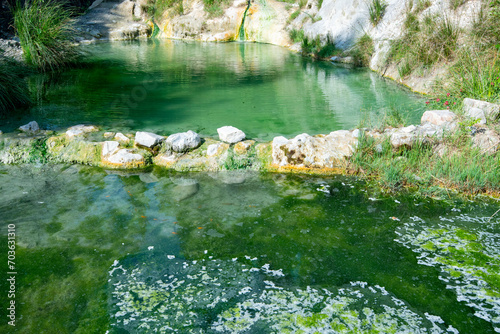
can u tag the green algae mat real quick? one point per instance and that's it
(100, 251)
(175, 86)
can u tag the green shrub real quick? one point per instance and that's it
(376, 10)
(13, 89)
(44, 29)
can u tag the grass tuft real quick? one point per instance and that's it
(376, 10)
(45, 31)
(362, 51)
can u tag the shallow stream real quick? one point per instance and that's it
(243, 252)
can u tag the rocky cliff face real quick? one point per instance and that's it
(265, 21)
(270, 21)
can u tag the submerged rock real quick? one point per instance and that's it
(230, 134)
(184, 188)
(184, 141)
(490, 110)
(318, 152)
(30, 127)
(80, 129)
(147, 139)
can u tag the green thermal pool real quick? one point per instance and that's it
(174, 86)
(156, 252)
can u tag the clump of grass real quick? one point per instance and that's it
(362, 51)
(156, 8)
(45, 31)
(424, 43)
(376, 10)
(422, 5)
(456, 3)
(297, 35)
(13, 89)
(215, 8)
(294, 15)
(477, 75)
(317, 48)
(485, 28)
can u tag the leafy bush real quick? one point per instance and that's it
(376, 9)
(44, 29)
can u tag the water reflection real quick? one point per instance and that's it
(172, 86)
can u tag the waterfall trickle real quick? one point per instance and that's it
(242, 26)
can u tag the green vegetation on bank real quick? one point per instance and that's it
(454, 163)
(156, 8)
(433, 40)
(45, 31)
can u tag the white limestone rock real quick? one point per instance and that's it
(487, 141)
(213, 149)
(316, 152)
(403, 137)
(183, 141)
(108, 135)
(438, 117)
(30, 127)
(147, 139)
(109, 147)
(122, 138)
(125, 157)
(476, 114)
(80, 129)
(230, 134)
(490, 110)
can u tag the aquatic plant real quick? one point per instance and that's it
(45, 31)
(469, 261)
(237, 296)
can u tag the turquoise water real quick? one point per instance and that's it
(172, 86)
(121, 252)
